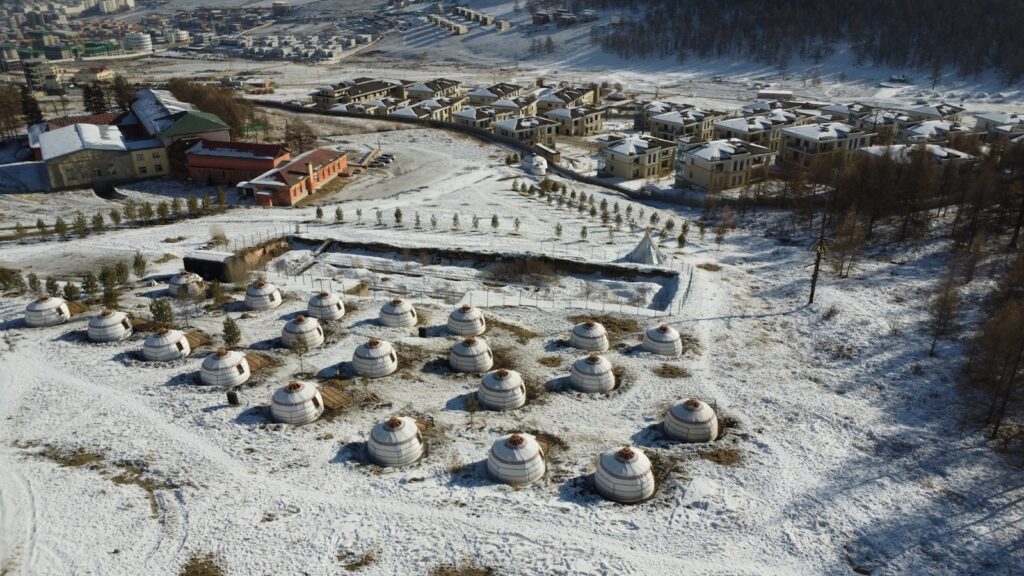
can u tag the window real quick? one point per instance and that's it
(316, 402)
(240, 369)
(142, 169)
(180, 347)
(139, 156)
(158, 168)
(127, 325)
(156, 155)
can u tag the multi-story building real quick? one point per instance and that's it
(357, 91)
(434, 89)
(938, 156)
(491, 94)
(138, 42)
(685, 122)
(578, 121)
(995, 124)
(528, 129)
(567, 98)
(763, 129)
(304, 175)
(802, 145)
(228, 163)
(480, 117)
(933, 131)
(163, 117)
(440, 109)
(518, 106)
(935, 112)
(635, 157)
(94, 75)
(41, 75)
(84, 155)
(721, 164)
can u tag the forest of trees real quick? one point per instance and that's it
(234, 110)
(927, 35)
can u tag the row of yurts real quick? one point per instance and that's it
(623, 475)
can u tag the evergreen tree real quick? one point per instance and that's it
(163, 211)
(115, 217)
(232, 333)
(558, 230)
(319, 213)
(121, 273)
(146, 212)
(97, 222)
(111, 296)
(339, 215)
(90, 285)
(41, 226)
(139, 265)
(192, 205)
(122, 91)
(398, 216)
(162, 313)
(494, 221)
(583, 233)
(80, 225)
(176, 207)
(30, 110)
(72, 293)
(34, 285)
(52, 288)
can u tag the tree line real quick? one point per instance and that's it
(928, 35)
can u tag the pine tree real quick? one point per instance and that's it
(339, 215)
(162, 313)
(232, 333)
(583, 233)
(123, 94)
(455, 221)
(90, 285)
(30, 110)
(80, 225)
(398, 216)
(139, 265)
(72, 293)
(97, 222)
(433, 221)
(416, 221)
(52, 288)
(495, 223)
(111, 296)
(34, 285)
(319, 213)
(41, 226)
(943, 310)
(192, 205)
(19, 230)
(163, 211)
(558, 230)
(115, 217)
(380, 217)
(359, 215)
(515, 224)
(176, 206)
(121, 273)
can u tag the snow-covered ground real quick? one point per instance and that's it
(844, 450)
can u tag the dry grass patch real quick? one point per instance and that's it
(361, 289)
(165, 259)
(464, 568)
(205, 565)
(550, 361)
(523, 335)
(666, 370)
(353, 563)
(709, 266)
(722, 456)
(173, 239)
(618, 327)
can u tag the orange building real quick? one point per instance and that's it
(306, 174)
(228, 163)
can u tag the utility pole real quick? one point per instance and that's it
(819, 247)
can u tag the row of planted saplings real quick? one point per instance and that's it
(623, 474)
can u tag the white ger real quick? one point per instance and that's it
(46, 311)
(664, 341)
(165, 345)
(325, 306)
(516, 459)
(262, 295)
(466, 320)
(471, 355)
(185, 284)
(395, 442)
(398, 313)
(302, 330)
(109, 326)
(224, 368)
(691, 420)
(535, 165)
(297, 403)
(501, 390)
(624, 475)
(590, 336)
(592, 374)
(374, 359)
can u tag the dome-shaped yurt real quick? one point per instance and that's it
(109, 326)
(663, 340)
(590, 336)
(691, 420)
(624, 475)
(502, 390)
(185, 284)
(262, 295)
(302, 330)
(165, 345)
(374, 359)
(471, 355)
(395, 442)
(325, 306)
(297, 403)
(467, 320)
(46, 311)
(516, 459)
(398, 314)
(592, 374)
(224, 368)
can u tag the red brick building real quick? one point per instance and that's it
(229, 163)
(304, 175)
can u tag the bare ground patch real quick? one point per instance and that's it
(523, 335)
(721, 456)
(619, 328)
(666, 370)
(201, 565)
(463, 568)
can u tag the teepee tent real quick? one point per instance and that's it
(185, 284)
(224, 368)
(646, 252)
(590, 336)
(624, 475)
(516, 459)
(302, 330)
(165, 345)
(262, 295)
(663, 340)
(691, 420)
(398, 314)
(501, 390)
(374, 359)
(46, 311)
(326, 306)
(297, 403)
(395, 442)
(109, 326)
(467, 320)
(592, 374)
(471, 355)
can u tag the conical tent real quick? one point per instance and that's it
(646, 252)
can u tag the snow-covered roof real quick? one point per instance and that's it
(155, 109)
(826, 131)
(245, 150)
(681, 117)
(78, 137)
(569, 113)
(746, 125)
(936, 110)
(903, 152)
(718, 150)
(517, 123)
(1001, 118)
(932, 129)
(637, 145)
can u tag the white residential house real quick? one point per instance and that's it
(532, 130)
(579, 121)
(491, 94)
(939, 156)
(995, 124)
(801, 145)
(721, 164)
(684, 122)
(763, 129)
(635, 157)
(933, 131)
(935, 112)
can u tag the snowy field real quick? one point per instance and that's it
(843, 451)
